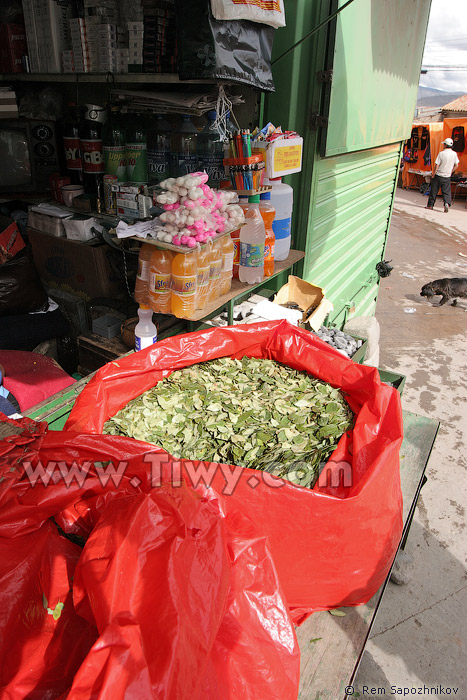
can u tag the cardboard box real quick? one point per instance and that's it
(81, 266)
(306, 296)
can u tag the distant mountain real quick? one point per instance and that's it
(431, 97)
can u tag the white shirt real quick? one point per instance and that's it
(447, 161)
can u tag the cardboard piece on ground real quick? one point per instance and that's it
(307, 296)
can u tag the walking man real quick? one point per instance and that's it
(445, 164)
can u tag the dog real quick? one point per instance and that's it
(449, 288)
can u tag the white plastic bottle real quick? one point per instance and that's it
(145, 329)
(252, 239)
(282, 201)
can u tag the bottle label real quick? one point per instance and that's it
(214, 167)
(144, 342)
(251, 255)
(158, 164)
(282, 227)
(269, 252)
(137, 162)
(92, 157)
(115, 161)
(159, 283)
(227, 262)
(72, 153)
(184, 285)
(203, 276)
(184, 164)
(236, 255)
(143, 270)
(215, 270)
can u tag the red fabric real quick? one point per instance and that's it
(31, 377)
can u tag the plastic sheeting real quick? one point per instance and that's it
(332, 545)
(155, 593)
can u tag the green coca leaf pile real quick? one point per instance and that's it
(250, 412)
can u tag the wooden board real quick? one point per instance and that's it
(329, 664)
(240, 287)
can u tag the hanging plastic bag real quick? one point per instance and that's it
(235, 50)
(262, 11)
(332, 545)
(20, 288)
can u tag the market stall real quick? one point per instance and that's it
(420, 153)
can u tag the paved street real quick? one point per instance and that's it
(420, 636)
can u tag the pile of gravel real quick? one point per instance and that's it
(339, 340)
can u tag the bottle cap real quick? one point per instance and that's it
(253, 199)
(265, 195)
(145, 307)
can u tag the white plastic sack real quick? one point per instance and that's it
(263, 11)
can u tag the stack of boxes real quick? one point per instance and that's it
(160, 38)
(112, 37)
(135, 45)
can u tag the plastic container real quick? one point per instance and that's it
(268, 213)
(184, 284)
(142, 276)
(158, 150)
(252, 240)
(227, 247)
(145, 329)
(136, 152)
(282, 201)
(210, 151)
(108, 326)
(204, 266)
(215, 270)
(160, 281)
(183, 146)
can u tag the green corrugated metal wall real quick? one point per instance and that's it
(348, 225)
(343, 203)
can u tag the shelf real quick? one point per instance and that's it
(111, 78)
(239, 288)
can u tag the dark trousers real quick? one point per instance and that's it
(436, 183)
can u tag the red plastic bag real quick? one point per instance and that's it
(332, 545)
(169, 597)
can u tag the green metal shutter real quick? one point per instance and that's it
(348, 227)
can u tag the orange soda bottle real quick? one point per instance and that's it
(215, 270)
(142, 276)
(184, 284)
(268, 213)
(235, 236)
(227, 246)
(160, 280)
(204, 266)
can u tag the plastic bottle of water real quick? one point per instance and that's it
(282, 201)
(252, 239)
(183, 146)
(145, 329)
(159, 149)
(210, 150)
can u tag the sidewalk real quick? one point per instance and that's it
(420, 636)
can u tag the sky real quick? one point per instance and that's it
(446, 45)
